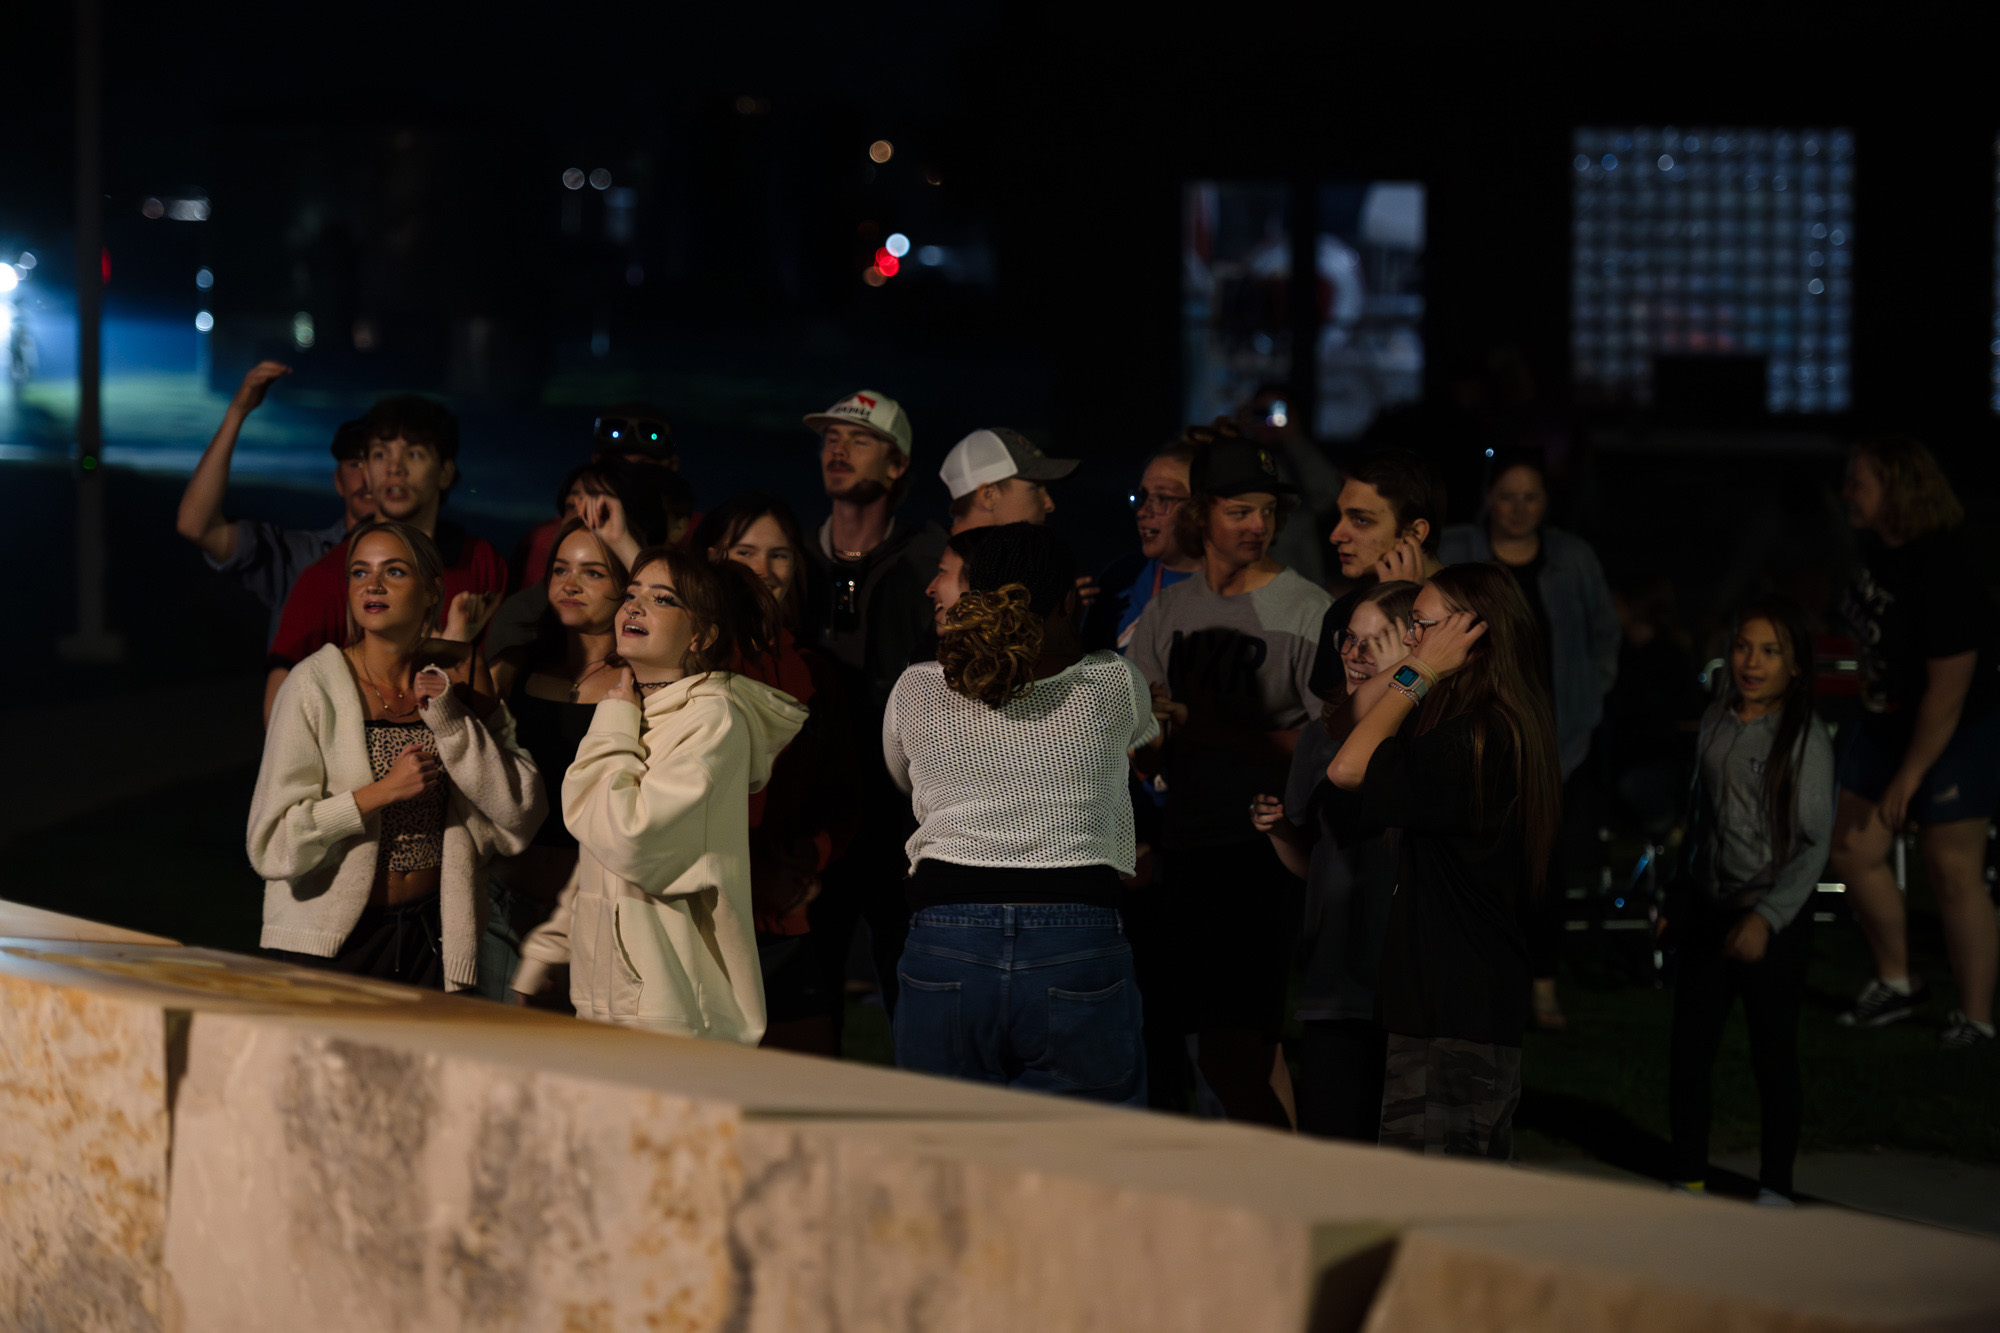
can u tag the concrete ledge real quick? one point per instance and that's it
(351, 1155)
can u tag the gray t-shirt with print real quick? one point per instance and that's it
(1243, 666)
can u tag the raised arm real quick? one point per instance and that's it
(1442, 652)
(200, 519)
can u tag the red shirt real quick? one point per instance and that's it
(316, 611)
(809, 797)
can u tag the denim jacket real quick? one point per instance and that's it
(1583, 628)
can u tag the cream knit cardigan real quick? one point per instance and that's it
(316, 850)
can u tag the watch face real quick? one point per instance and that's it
(1405, 676)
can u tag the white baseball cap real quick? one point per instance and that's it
(996, 454)
(877, 411)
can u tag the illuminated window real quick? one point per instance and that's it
(1364, 325)
(1713, 241)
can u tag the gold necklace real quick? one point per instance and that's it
(388, 713)
(576, 687)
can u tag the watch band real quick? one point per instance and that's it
(1411, 682)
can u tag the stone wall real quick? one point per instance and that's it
(190, 1140)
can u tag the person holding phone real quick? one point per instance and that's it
(388, 781)
(1455, 750)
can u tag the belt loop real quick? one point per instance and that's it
(1007, 919)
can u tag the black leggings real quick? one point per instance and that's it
(1341, 1063)
(1706, 985)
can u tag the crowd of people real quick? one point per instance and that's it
(1103, 835)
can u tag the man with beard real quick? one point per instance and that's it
(868, 612)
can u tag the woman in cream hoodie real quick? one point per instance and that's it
(657, 929)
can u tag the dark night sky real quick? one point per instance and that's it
(1063, 142)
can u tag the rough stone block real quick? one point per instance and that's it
(83, 1159)
(1711, 1266)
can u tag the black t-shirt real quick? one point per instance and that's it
(1911, 603)
(1455, 963)
(1528, 578)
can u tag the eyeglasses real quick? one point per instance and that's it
(1419, 624)
(1160, 500)
(636, 432)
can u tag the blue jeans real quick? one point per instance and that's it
(1034, 996)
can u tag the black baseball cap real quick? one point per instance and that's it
(1230, 465)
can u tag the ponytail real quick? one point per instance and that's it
(990, 645)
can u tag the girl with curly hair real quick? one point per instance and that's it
(1014, 748)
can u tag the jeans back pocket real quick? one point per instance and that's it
(930, 1033)
(1094, 1036)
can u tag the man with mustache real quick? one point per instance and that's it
(868, 611)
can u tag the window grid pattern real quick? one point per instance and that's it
(1715, 241)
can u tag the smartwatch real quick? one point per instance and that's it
(1411, 681)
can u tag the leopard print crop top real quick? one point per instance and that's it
(412, 830)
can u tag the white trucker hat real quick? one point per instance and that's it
(996, 454)
(877, 411)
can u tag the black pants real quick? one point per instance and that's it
(1706, 985)
(402, 943)
(865, 885)
(1340, 1078)
(1212, 942)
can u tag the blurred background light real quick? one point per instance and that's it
(10, 278)
(600, 179)
(153, 208)
(930, 256)
(204, 279)
(881, 150)
(897, 244)
(874, 277)
(573, 179)
(204, 322)
(302, 331)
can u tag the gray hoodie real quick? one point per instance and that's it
(1733, 758)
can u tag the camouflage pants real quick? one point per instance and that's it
(1450, 1097)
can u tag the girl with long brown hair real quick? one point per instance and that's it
(1014, 748)
(1762, 821)
(1455, 750)
(658, 921)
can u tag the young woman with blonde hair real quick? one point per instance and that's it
(387, 782)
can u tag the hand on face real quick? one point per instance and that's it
(1403, 563)
(1448, 642)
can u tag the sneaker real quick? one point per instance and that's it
(1878, 1005)
(1961, 1035)
(1773, 1199)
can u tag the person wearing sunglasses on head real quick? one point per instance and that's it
(636, 435)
